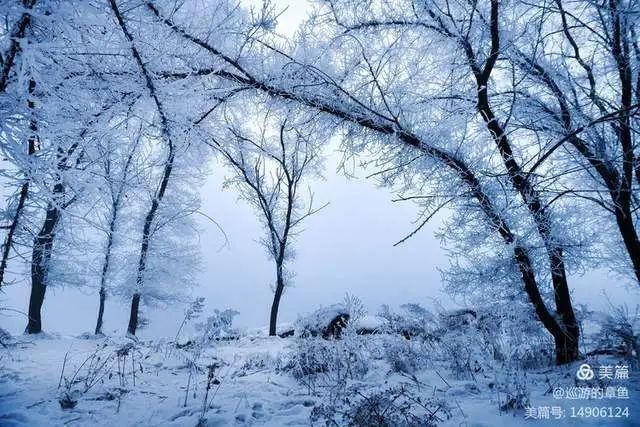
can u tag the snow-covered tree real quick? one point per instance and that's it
(579, 88)
(270, 165)
(368, 66)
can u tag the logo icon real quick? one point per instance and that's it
(585, 372)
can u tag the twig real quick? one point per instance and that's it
(64, 363)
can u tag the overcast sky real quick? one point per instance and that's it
(346, 248)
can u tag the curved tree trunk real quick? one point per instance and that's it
(569, 334)
(133, 314)
(273, 319)
(40, 259)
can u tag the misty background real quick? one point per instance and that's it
(345, 248)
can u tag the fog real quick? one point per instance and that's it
(346, 248)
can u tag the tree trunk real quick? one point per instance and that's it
(133, 316)
(41, 256)
(629, 235)
(105, 269)
(103, 295)
(166, 173)
(24, 189)
(570, 337)
(14, 47)
(566, 338)
(520, 182)
(142, 266)
(8, 241)
(273, 320)
(566, 344)
(620, 48)
(538, 211)
(542, 219)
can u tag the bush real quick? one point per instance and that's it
(512, 388)
(406, 356)
(466, 353)
(620, 332)
(483, 338)
(5, 338)
(218, 326)
(472, 341)
(413, 321)
(400, 406)
(320, 363)
(329, 322)
(256, 362)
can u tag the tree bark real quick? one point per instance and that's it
(273, 320)
(105, 270)
(103, 296)
(40, 259)
(529, 194)
(142, 263)
(8, 241)
(133, 315)
(43, 242)
(24, 189)
(14, 46)
(569, 333)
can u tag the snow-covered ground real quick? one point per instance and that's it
(259, 380)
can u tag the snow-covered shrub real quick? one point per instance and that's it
(471, 341)
(404, 355)
(355, 307)
(513, 391)
(192, 312)
(413, 321)
(620, 332)
(466, 353)
(393, 407)
(212, 380)
(330, 321)
(256, 362)
(101, 365)
(317, 362)
(531, 353)
(476, 341)
(218, 326)
(514, 339)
